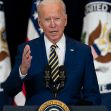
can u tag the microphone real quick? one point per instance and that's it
(47, 73)
(62, 76)
(54, 86)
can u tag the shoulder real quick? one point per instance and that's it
(81, 50)
(31, 43)
(77, 44)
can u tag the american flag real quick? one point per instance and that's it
(33, 28)
(33, 32)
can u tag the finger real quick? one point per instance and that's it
(28, 55)
(29, 59)
(27, 50)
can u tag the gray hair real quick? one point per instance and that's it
(44, 2)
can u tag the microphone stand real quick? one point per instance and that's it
(56, 87)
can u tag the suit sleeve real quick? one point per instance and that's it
(91, 90)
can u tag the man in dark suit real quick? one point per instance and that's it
(34, 56)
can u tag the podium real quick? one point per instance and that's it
(72, 108)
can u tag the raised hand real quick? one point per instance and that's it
(26, 60)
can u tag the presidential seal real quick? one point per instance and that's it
(53, 105)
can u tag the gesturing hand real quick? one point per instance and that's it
(26, 60)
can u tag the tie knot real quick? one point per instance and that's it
(54, 46)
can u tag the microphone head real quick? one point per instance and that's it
(62, 68)
(47, 72)
(62, 72)
(47, 68)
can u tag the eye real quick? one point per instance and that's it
(47, 19)
(57, 19)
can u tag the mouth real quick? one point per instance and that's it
(53, 32)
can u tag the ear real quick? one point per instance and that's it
(39, 22)
(65, 19)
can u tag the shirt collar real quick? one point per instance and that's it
(60, 43)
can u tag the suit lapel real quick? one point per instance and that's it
(70, 52)
(43, 55)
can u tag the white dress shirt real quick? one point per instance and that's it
(60, 50)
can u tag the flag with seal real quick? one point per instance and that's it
(97, 34)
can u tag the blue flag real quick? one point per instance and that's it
(97, 34)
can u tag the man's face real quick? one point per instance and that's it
(53, 21)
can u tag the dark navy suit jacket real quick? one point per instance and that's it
(80, 75)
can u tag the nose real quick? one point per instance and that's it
(52, 23)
